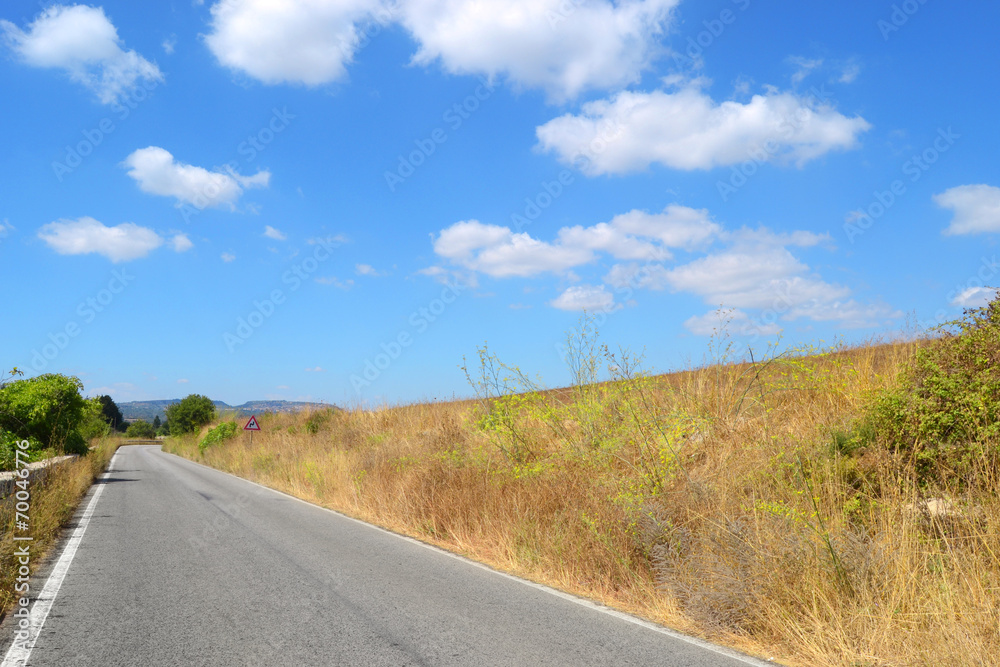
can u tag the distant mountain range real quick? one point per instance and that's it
(148, 410)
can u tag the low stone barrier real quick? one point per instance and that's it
(36, 472)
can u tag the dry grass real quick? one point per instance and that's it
(52, 504)
(710, 500)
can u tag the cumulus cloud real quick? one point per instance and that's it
(298, 41)
(86, 235)
(181, 243)
(272, 233)
(753, 273)
(585, 297)
(81, 41)
(974, 297)
(367, 270)
(336, 282)
(157, 172)
(637, 235)
(228, 257)
(726, 319)
(561, 47)
(976, 209)
(686, 129)
(758, 272)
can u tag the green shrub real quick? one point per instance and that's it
(217, 435)
(945, 412)
(140, 429)
(47, 408)
(8, 443)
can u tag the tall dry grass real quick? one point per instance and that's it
(715, 501)
(53, 501)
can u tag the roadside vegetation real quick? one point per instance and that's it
(822, 506)
(49, 413)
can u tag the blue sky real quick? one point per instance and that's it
(337, 201)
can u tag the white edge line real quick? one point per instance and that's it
(18, 654)
(590, 604)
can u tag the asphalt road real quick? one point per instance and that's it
(183, 565)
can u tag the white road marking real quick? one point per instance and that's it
(19, 653)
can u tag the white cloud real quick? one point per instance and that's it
(5, 228)
(272, 233)
(367, 270)
(317, 369)
(759, 272)
(169, 44)
(585, 297)
(676, 227)
(804, 66)
(563, 47)
(499, 252)
(686, 129)
(86, 235)
(83, 42)
(296, 41)
(156, 172)
(228, 257)
(976, 209)
(336, 282)
(975, 297)
(637, 235)
(849, 73)
(181, 243)
(727, 319)
(183, 381)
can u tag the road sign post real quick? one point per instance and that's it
(252, 426)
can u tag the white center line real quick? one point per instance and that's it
(19, 652)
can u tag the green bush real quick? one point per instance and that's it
(47, 408)
(140, 429)
(8, 445)
(945, 413)
(217, 435)
(93, 424)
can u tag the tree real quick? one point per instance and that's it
(92, 424)
(111, 413)
(190, 414)
(48, 408)
(156, 422)
(140, 429)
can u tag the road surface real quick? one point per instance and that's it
(179, 564)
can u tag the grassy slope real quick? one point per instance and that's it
(709, 500)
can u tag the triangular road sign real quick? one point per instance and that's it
(252, 425)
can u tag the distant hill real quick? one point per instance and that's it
(148, 410)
